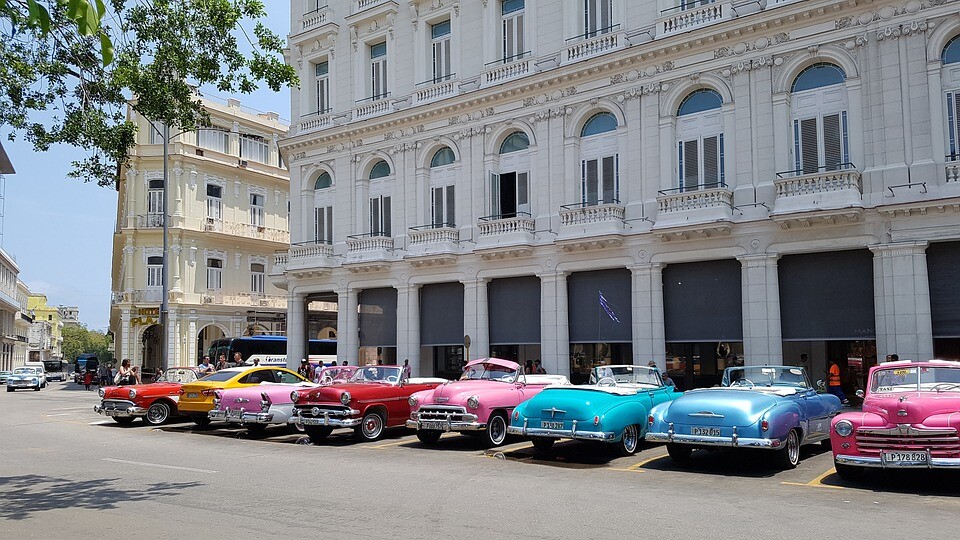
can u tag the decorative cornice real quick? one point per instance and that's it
(546, 114)
(757, 45)
(894, 32)
(556, 95)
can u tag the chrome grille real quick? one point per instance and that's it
(443, 412)
(116, 405)
(329, 410)
(940, 442)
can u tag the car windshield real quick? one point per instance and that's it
(221, 376)
(766, 376)
(388, 374)
(916, 378)
(624, 375)
(178, 376)
(333, 374)
(25, 371)
(491, 372)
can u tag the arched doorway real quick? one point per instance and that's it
(207, 335)
(150, 348)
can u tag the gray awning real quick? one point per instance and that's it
(378, 317)
(599, 306)
(441, 314)
(827, 296)
(514, 310)
(943, 269)
(702, 301)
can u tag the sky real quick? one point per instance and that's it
(60, 230)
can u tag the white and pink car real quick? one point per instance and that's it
(479, 403)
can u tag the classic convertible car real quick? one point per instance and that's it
(256, 407)
(613, 409)
(196, 398)
(769, 407)
(910, 419)
(155, 402)
(480, 402)
(375, 398)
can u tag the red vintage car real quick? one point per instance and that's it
(155, 402)
(375, 398)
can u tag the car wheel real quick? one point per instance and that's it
(37, 389)
(789, 456)
(201, 421)
(679, 453)
(371, 428)
(428, 436)
(10, 389)
(123, 420)
(629, 441)
(158, 413)
(256, 430)
(825, 444)
(542, 444)
(496, 432)
(848, 472)
(296, 429)
(317, 433)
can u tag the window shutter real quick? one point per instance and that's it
(605, 15)
(329, 229)
(953, 99)
(609, 179)
(711, 161)
(375, 215)
(809, 147)
(451, 205)
(437, 206)
(494, 194)
(386, 217)
(592, 172)
(523, 195)
(322, 93)
(832, 142)
(796, 145)
(518, 42)
(318, 225)
(691, 165)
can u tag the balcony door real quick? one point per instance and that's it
(510, 194)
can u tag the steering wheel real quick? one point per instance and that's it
(607, 381)
(391, 378)
(742, 382)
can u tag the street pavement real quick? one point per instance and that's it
(67, 472)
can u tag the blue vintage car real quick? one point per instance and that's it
(770, 407)
(612, 409)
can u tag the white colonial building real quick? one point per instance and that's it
(228, 209)
(595, 181)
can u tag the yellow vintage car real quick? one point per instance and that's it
(196, 398)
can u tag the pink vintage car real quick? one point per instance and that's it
(479, 403)
(256, 407)
(910, 419)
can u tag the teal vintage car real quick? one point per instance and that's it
(613, 408)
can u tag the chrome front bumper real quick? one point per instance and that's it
(561, 433)
(734, 441)
(875, 462)
(449, 426)
(325, 420)
(120, 409)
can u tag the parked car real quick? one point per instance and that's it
(197, 398)
(768, 407)
(613, 408)
(910, 420)
(479, 403)
(26, 377)
(4, 375)
(256, 407)
(155, 402)
(375, 398)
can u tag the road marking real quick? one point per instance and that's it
(636, 466)
(816, 482)
(59, 414)
(393, 443)
(100, 422)
(158, 465)
(515, 447)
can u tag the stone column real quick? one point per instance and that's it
(554, 335)
(760, 298)
(349, 333)
(125, 342)
(192, 340)
(408, 326)
(296, 329)
(171, 359)
(476, 323)
(647, 312)
(901, 293)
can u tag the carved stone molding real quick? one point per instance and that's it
(552, 96)
(758, 44)
(636, 74)
(546, 114)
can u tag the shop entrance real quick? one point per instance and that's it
(515, 318)
(586, 356)
(701, 364)
(441, 330)
(855, 358)
(943, 270)
(150, 355)
(378, 326)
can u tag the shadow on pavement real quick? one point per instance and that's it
(741, 462)
(920, 482)
(24, 496)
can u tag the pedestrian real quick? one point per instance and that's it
(135, 375)
(538, 367)
(304, 369)
(157, 375)
(237, 359)
(205, 367)
(804, 361)
(893, 357)
(528, 367)
(379, 361)
(342, 363)
(87, 379)
(833, 383)
(123, 374)
(103, 375)
(221, 362)
(256, 361)
(406, 368)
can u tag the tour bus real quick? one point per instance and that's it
(83, 363)
(54, 369)
(271, 350)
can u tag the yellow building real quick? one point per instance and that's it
(228, 206)
(49, 316)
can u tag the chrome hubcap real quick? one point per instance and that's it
(157, 414)
(497, 430)
(630, 438)
(793, 447)
(372, 426)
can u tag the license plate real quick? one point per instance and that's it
(435, 425)
(193, 395)
(551, 425)
(233, 414)
(705, 431)
(895, 458)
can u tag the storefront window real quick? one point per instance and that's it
(585, 356)
(699, 365)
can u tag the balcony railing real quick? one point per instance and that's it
(506, 223)
(433, 234)
(149, 221)
(376, 241)
(307, 250)
(507, 69)
(146, 295)
(824, 192)
(360, 5)
(690, 16)
(314, 122)
(315, 18)
(213, 225)
(708, 196)
(953, 168)
(594, 44)
(259, 232)
(823, 179)
(584, 213)
(372, 106)
(439, 88)
(250, 299)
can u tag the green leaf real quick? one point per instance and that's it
(106, 49)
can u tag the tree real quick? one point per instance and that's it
(78, 340)
(68, 69)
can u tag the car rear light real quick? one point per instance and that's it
(764, 425)
(516, 414)
(181, 391)
(208, 392)
(596, 420)
(650, 420)
(264, 402)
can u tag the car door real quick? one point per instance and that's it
(816, 413)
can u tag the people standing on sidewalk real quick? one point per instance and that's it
(833, 383)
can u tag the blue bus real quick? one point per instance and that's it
(271, 350)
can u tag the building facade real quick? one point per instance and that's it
(10, 307)
(228, 211)
(69, 315)
(46, 331)
(22, 322)
(597, 181)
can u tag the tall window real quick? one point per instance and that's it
(951, 83)
(510, 189)
(380, 216)
(155, 203)
(442, 201)
(819, 100)
(511, 21)
(380, 170)
(213, 139)
(214, 274)
(154, 272)
(597, 17)
(256, 209)
(214, 202)
(324, 181)
(156, 133)
(378, 71)
(323, 87)
(254, 148)
(599, 161)
(700, 141)
(256, 278)
(440, 45)
(323, 224)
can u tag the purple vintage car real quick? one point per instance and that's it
(256, 407)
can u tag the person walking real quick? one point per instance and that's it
(538, 367)
(304, 369)
(833, 383)
(406, 368)
(87, 379)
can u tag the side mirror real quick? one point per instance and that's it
(820, 386)
(859, 394)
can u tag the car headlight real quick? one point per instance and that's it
(843, 428)
(132, 393)
(294, 396)
(101, 392)
(473, 402)
(345, 398)
(412, 401)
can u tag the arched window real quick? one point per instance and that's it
(819, 109)
(323, 181)
(951, 52)
(951, 84)
(599, 123)
(515, 142)
(443, 156)
(380, 170)
(700, 157)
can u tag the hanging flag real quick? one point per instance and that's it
(606, 308)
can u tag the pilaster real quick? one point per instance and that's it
(647, 307)
(296, 329)
(760, 297)
(901, 293)
(408, 326)
(554, 335)
(476, 323)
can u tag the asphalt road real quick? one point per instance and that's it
(67, 472)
